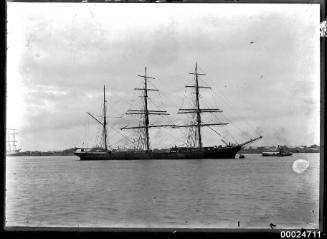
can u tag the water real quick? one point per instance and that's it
(66, 192)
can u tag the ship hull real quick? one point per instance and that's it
(219, 153)
(276, 154)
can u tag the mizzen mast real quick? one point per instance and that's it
(198, 110)
(146, 112)
(104, 123)
(104, 118)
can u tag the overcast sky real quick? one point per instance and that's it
(262, 61)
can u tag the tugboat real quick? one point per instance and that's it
(281, 152)
(198, 151)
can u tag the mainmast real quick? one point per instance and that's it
(198, 110)
(146, 112)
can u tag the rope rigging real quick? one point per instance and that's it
(230, 105)
(149, 108)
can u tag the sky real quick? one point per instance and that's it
(261, 60)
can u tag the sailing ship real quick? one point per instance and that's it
(198, 151)
(12, 142)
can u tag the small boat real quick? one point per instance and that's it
(241, 156)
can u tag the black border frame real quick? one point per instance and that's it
(58, 231)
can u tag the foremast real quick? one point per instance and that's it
(198, 110)
(146, 112)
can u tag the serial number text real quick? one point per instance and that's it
(300, 234)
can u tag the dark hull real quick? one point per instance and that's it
(217, 153)
(276, 155)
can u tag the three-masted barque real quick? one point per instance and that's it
(198, 151)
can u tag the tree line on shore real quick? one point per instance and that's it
(297, 149)
(248, 150)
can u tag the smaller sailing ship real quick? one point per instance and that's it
(280, 152)
(12, 142)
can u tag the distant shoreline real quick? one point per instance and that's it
(66, 152)
(66, 155)
(250, 150)
(298, 149)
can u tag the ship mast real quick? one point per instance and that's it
(146, 112)
(12, 146)
(197, 103)
(198, 110)
(8, 143)
(104, 123)
(104, 118)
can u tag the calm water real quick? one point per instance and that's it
(63, 191)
